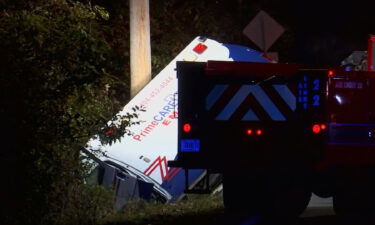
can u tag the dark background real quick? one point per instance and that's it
(316, 31)
(327, 31)
(320, 31)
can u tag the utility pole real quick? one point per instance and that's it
(140, 47)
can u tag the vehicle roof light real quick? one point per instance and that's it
(190, 57)
(200, 48)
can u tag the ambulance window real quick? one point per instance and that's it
(349, 103)
(95, 176)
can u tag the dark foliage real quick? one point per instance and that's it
(59, 85)
(64, 69)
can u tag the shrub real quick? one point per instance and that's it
(58, 86)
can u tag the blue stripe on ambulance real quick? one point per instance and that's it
(176, 185)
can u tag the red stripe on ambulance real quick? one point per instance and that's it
(161, 164)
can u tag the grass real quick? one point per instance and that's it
(195, 210)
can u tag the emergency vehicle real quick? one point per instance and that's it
(136, 166)
(279, 132)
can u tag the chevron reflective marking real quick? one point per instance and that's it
(250, 116)
(286, 94)
(233, 104)
(214, 95)
(267, 103)
(241, 95)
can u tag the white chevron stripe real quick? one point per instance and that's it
(259, 94)
(266, 103)
(214, 95)
(234, 103)
(286, 95)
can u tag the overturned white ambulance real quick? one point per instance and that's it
(136, 166)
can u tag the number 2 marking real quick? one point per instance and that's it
(316, 85)
(316, 100)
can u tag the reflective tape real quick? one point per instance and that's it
(266, 103)
(260, 96)
(286, 94)
(214, 95)
(250, 116)
(234, 103)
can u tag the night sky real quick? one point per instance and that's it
(325, 31)
(329, 30)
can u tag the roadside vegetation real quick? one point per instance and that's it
(60, 83)
(64, 73)
(196, 209)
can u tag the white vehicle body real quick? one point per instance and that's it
(154, 141)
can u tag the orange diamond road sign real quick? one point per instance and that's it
(263, 30)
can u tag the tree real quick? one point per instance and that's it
(59, 86)
(64, 74)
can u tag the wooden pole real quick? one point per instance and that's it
(140, 47)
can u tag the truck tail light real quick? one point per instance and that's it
(186, 127)
(317, 128)
(258, 132)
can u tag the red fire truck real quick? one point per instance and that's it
(278, 133)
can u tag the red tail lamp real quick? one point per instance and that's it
(331, 73)
(186, 127)
(323, 126)
(316, 129)
(258, 132)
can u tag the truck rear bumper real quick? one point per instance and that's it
(348, 155)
